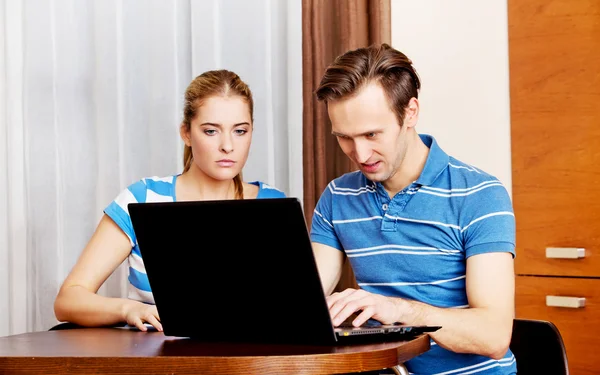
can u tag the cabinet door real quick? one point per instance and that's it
(579, 327)
(554, 52)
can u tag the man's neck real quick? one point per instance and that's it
(411, 167)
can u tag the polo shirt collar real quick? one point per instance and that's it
(437, 161)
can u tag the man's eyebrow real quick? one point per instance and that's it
(338, 134)
(357, 135)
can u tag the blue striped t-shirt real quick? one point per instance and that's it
(153, 189)
(415, 245)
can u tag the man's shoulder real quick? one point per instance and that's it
(350, 180)
(480, 190)
(350, 186)
(461, 175)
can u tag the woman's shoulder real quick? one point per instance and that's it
(145, 188)
(264, 190)
(159, 180)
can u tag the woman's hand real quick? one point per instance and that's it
(137, 313)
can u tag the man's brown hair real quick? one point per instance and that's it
(357, 68)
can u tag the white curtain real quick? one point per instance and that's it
(91, 94)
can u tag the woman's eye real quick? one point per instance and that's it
(241, 131)
(210, 131)
(371, 135)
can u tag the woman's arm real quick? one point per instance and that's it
(77, 301)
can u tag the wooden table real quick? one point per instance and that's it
(124, 351)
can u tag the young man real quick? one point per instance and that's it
(431, 240)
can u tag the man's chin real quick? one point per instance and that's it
(374, 176)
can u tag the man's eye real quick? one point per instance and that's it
(371, 135)
(210, 132)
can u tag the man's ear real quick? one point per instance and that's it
(411, 113)
(184, 132)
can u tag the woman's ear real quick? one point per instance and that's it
(184, 132)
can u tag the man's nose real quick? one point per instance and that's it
(362, 152)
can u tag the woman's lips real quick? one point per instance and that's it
(225, 163)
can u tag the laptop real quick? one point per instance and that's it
(241, 271)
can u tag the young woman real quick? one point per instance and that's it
(217, 132)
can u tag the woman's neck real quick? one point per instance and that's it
(194, 185)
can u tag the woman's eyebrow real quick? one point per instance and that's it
(219, 125)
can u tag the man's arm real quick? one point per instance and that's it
(330, 263)
(484, 328)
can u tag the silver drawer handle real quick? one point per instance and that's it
(565, 252)
(570, 302)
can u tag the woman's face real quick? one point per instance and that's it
(220, 136)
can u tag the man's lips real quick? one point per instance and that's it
(371, 167)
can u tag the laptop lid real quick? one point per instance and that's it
(237, 270)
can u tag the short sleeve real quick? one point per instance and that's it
(268, 191)
(322, 230)
(490, 222)
(117, 210)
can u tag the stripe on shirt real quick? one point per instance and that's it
(453, 194)
(394, 246)
(437, 282)
(481, 366)
(349, 191)
(321, 216)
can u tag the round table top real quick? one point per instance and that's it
(118, 350)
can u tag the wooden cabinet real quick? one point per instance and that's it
(578, 326)
(554, 54)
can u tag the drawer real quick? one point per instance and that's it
(579, 327)
(531, 258)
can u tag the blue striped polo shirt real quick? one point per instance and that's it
(415, 245)
(153, 189)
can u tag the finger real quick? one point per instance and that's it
(333, 298)
(155, 323)
(366, 314)
(348, 309)
(340, 304)
(139, 324)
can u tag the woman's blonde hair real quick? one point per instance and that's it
(208, 84)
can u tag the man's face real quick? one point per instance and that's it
(368, 132)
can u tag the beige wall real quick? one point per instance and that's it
(460, 50)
